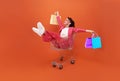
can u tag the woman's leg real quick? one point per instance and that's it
(46, 36)
(50, 36)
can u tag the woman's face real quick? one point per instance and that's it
(67, 22)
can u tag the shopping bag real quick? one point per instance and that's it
(53, 20)
(96, 42)
(93, 42)
(88, 43)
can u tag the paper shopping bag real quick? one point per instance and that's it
(96, 42)
(88, 43)
(53, 20)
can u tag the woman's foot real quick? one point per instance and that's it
(40, 29)
(36, 31)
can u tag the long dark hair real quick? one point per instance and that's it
(71, 21)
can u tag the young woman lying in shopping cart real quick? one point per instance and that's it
(65, 38)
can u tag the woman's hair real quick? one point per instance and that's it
(72, 22)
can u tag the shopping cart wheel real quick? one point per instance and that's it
(54, 64)
(60, 66)
(72, 61)
(61, 58)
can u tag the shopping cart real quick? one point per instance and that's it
(66, 55)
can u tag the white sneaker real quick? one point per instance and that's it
(36, 31)
(40, 29)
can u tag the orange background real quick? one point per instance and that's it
(25, 57)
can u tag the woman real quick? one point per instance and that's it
(64, 39)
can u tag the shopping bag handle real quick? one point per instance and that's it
(94, 35)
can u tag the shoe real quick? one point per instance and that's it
(41, 28)
(36, 31)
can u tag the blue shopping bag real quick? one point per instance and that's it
(96, 42)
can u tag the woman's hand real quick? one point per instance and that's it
(92, 32)
(57, 13)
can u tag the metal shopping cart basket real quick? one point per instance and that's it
(66, 54)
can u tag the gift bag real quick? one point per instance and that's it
(53, 20)
(88, 43)
(93, 42)
(96, 42)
